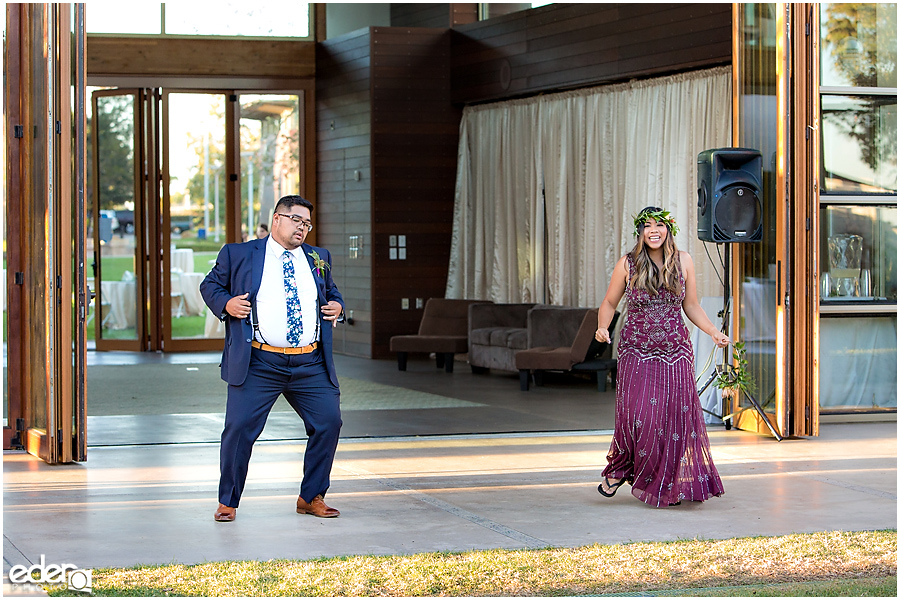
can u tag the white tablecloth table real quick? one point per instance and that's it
(182, 260)
(120, 296)
(214, 327)
(703, 346)
(758, 310)
(190, 288)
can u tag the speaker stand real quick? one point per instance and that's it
(725, 366)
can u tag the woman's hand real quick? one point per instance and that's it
(721, 340)
(602, 335)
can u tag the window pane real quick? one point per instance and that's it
(859, 250)
(197, 226)
(112, 17)
(859, 45)
(271, 19)
(270, 156)
(758, 112)
(858, 363)
(859, 144)
(114, 268)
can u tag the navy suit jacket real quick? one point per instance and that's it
(238, 270)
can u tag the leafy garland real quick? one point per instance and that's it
(661, 216)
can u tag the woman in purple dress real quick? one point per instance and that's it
(659, 445)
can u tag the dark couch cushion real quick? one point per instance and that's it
(481, 337)
(500, 336)
(430, 343)
(545, 358)
(518, 339)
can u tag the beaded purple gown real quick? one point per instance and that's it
(660, 444)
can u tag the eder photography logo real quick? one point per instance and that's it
(62, 577)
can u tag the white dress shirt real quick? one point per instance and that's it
(271, 300)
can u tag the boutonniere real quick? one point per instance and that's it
(320, 265)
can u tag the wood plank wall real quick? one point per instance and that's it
(384, 112)
(415, 133)
(111, 55)
(563, 46)
(435, 15)
(420, 15)
(344, 204)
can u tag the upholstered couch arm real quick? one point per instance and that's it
(554, 326)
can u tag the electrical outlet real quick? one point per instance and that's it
(404, 303)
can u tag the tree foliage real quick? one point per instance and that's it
(114, 127)
(860, 37)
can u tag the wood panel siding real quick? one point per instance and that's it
(343, 203)
(387, 138)
(158, 56)
(415, 133)
(563, 46)
(420, 15)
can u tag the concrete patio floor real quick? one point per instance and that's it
(153, 504)
(523, 476)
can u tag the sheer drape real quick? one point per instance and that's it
(546, 186)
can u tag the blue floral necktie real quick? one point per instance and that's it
(294, 320)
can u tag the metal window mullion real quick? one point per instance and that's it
(832, 90)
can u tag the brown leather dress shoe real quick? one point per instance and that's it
(317, 508)
(225, 514)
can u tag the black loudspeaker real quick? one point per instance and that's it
(728, 198)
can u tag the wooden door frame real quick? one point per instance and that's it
(745, 419)
(797, 226)
(803, 355)
(58, 320)
(16, 112)
(158, 334)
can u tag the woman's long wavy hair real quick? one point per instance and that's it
(647, 275)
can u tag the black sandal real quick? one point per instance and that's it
(612, 486)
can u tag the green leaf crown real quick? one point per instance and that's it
(661, 216)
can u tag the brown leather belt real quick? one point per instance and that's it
(300, 350)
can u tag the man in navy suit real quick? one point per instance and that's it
(279, 303)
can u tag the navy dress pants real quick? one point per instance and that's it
(304, 381)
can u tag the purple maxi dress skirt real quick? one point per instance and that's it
(660, 444)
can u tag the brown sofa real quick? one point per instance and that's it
(443, 330)
(557, 344)
(496, 333)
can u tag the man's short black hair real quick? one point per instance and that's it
(287, 202)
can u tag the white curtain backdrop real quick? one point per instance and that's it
(546, 187)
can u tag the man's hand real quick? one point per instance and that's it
(332, 311)
(238, 307)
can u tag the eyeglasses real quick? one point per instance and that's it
(298, 221)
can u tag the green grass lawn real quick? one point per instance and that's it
(819, 564)
(113, 267)
(182, 327)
